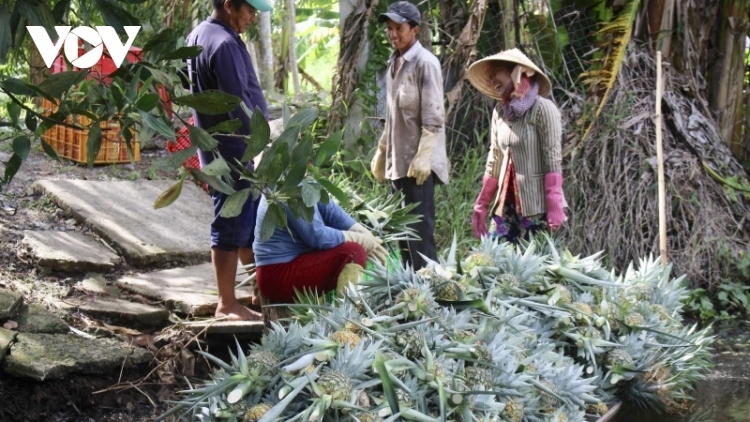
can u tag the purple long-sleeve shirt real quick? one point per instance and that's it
(224, 64)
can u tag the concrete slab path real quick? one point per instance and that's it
(97, 284)
(125, 312)
(49, 356)
(35, 318)
(122, 213)
(10, 303)
(69, 251)
(6, 338)
(188, 290)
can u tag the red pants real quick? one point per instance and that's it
(317, 270)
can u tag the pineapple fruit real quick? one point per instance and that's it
(256, 412)
(335, 384)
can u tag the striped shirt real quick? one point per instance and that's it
(533, 143)
(414, 100)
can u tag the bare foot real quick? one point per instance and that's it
(256, 299)
(237, 312)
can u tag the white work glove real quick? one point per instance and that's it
(360, 229)
(370, 243)
(420, 167)
(377, 165)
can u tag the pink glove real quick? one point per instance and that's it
(481, 206)
(554, 196)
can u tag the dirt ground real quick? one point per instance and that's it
(73, 398)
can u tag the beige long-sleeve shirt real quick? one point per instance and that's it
(414, 101)
(533, 143)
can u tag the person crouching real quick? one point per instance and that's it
(323, 255)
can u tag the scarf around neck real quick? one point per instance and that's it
(521, 99)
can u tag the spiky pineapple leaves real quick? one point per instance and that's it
(389, 390)
(521, 363)
(236, 373)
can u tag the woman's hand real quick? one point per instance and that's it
(482, 204)
(554, 196)
(371, 244)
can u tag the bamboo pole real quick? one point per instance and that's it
(660, 164)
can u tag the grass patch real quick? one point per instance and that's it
(454, 202)
(45, 203)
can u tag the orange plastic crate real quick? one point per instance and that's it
(70, 143)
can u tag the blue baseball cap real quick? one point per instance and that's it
(260, 5)
(401, 12)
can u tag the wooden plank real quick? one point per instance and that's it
(610, 416)
(607, 417)
(273, 313)
(212, 326)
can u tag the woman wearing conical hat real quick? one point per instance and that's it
(522, 183)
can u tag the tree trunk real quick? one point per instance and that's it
(508, 27)
(266, 52)
(346, 109)
(253, 55)
(706, 39)
(727, 73)
(660, 23)
(425, 32)
(291, 22)
(36, 70)
(282, 72)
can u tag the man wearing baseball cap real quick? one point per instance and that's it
(224, 64)
(411, 152)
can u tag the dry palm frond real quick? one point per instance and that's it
(353, 43)
(465, 48)
(613, 206)
(615, 38)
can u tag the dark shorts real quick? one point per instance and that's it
(238, 232)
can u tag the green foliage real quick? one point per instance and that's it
(288, 174)
(737, 260)
(454, 202)
(551, 40)
(732, 295)
(730, 300)
(45, 203)
(700, 304)
(317, 41)
(317, 33)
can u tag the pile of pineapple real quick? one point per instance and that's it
(511, 333)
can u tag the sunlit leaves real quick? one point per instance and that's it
(209, 102)
(169, 196)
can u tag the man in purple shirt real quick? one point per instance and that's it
(224, 64)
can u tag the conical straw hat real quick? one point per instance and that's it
(479, 77)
